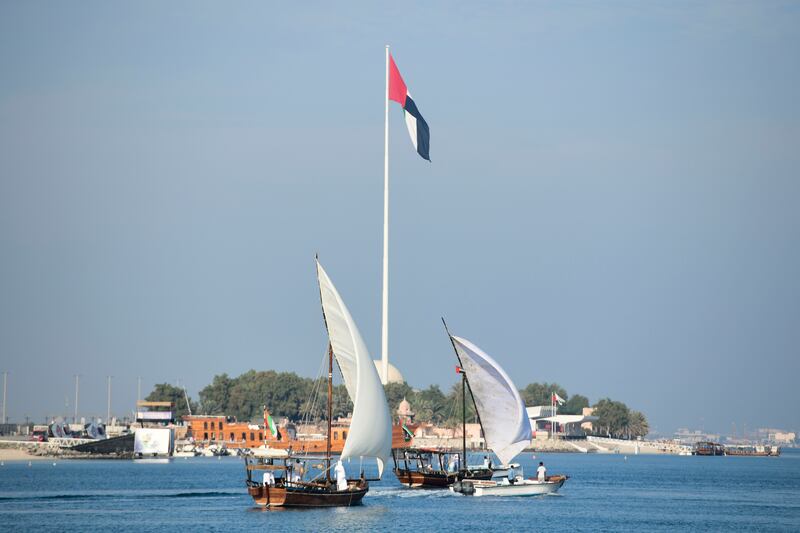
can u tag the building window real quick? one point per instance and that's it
(205, 425)
(231, 436)
(213, 436)
(205, 436)
(252, 436)
(220, 424)
(244, 436)
(260, 436)
(344, 435)
(335, 435)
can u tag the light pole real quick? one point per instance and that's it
(77, 388)
(108, 412)
(5, 385)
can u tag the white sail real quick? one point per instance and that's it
(506, 426)
(370, 433)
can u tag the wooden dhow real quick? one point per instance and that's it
(282, 482)
(432, 468)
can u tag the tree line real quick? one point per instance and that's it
(297, 398)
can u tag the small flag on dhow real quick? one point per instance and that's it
(269, 423)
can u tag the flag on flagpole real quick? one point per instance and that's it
(269, 423)
(558, 399)
(417, 127)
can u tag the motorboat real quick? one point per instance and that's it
(504, 421)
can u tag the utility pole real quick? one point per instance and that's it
(77, 388)
(108, 413)
(5, 385)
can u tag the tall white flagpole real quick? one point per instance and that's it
(385, 306)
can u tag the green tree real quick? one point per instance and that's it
(637, 424)
(455, 399)
(541, 393)
(613, 417)
(164, 392)
(342, 404)
(214, 397)
(430, 405)
(574, 405)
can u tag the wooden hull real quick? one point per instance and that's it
(308, 496)
(416, 479)
(421, 480)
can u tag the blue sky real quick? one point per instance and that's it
(611, 203)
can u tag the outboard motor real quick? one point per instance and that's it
(464, 487)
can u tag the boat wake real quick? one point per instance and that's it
(409, 493)
(120, 495)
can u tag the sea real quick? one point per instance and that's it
(604, 493)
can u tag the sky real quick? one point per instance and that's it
(611, 203)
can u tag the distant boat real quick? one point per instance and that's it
(756, 450)
(504, 421)
(187, 450)
(708, 448)
(370, 435)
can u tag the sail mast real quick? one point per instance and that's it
(464, 381)
(464, 416)
(330, 412)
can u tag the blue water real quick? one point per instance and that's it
(605, 493)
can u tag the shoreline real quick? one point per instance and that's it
(16, 454)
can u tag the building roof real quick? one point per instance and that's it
(570, 419)
(394, 375)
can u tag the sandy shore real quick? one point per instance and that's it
(13, 454)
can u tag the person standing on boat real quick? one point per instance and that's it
(452, 465)
(297, 471)
(486, 462)
(541, 472)
(341, 476)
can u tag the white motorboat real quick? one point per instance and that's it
(505, 425)
(187, 450)
(520, 487)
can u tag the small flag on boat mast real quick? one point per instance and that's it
(269, 423)
(459, 370)
(417, 127)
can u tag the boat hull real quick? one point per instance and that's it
(522, 487)
(308, 495)
(434, 480)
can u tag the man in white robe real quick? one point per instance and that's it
(341, 476)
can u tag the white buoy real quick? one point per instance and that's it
(29, 463)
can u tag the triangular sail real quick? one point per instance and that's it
(506, 426)
(370, 433)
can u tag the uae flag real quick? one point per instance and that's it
(269, 423)
(417, 127)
